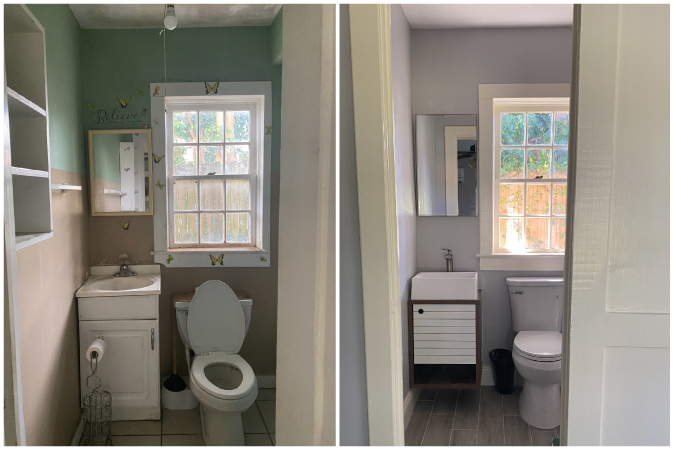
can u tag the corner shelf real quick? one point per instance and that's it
(65, 187)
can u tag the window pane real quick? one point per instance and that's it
(184, 127)
(212, 228)
(512, 128)
(511, 234)
(238, 228)
(184, 160)
(238, 194)
(212, 195)
(512, 163)
(210, 126)
(538, 163)
(538, 199)
(561, 128)
(560, 163)
(237, 125)
(559, 199)
(210, 160)
(185, 228)
(537, 233)
(237, 159)
(558, 233)
(512, 200)
(185, 195)
(539, 128)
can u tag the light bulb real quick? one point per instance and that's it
(170, 19)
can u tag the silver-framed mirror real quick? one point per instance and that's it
(446, 160)
(120, 172)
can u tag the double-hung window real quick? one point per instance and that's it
(531, 154)
(211, 174)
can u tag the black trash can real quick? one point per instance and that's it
(503, 368)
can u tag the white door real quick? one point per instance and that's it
(617, 321)
(129, 369)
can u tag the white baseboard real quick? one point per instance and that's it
(409, 404)
(266, 381)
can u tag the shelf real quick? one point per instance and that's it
(65, 187)
(20, 106)
(26, 239)
(114, 192)
(22, 172)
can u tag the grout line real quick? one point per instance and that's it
(423, 436)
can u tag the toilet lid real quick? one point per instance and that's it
(539, 345)
(215, 322)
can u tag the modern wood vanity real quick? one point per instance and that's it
(445, 341)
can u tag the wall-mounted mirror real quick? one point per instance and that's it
(446, 156)
(120, 172)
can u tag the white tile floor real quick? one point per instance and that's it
(184, 427)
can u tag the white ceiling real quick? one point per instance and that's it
(488, 16)
(189, 15)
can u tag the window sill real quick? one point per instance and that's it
(532, 262)
(214, 257)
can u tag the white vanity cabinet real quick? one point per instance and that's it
(445, 343)
(129, 369)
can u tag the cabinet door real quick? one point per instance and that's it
(129, 369)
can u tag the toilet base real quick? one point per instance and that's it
(540, 405)
(220, 427)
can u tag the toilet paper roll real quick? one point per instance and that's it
(98, 346)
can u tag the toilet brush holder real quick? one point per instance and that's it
(184, 399)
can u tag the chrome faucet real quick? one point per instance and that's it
(124, 270)
(449, 259)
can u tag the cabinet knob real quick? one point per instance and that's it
(152, 338)
(421, 310)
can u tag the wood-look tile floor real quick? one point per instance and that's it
(184, 427)
(472, 417)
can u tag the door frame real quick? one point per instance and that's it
(373, 123)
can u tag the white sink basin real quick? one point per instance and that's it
(444, 286)
(103, 283)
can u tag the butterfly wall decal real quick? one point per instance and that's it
(169, 259)
(123, 103)
(127, 149)
(126, 169)
(267, 130)
(157, 158)
(211, 88)
(216, 260)
(90, 106)
(139, 92)
(156, 91)
(159, 185)
(125, 225)
(156, 121)
(142, 125)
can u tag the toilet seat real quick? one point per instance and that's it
(542, 346)
(248, 381)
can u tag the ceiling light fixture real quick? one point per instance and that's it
(170, 19)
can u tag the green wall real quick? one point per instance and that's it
(277, 38)
(63, 36)
(121, 64)
(106, 156)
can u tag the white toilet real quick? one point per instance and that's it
(214, 325)
(536, 305)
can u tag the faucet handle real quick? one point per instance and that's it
(449, 252)
(123, 258)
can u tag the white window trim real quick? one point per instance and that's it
(489, 260)
(258, 256)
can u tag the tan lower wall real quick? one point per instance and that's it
(109, 239)
(49, 273)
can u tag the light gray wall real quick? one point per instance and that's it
(404, 168)
(447, 67)
(353, 392)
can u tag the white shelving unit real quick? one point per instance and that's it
(28, 124)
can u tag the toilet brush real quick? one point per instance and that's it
(174, 383)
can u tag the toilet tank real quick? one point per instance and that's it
(183, 308)
(536, 303)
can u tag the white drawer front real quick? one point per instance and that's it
(443, 344)
(451, 330)
(119, 308)
(444, 359)
(442, 307)
(444, 351)
(444, 337)
(444, 322)
(445, 315)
